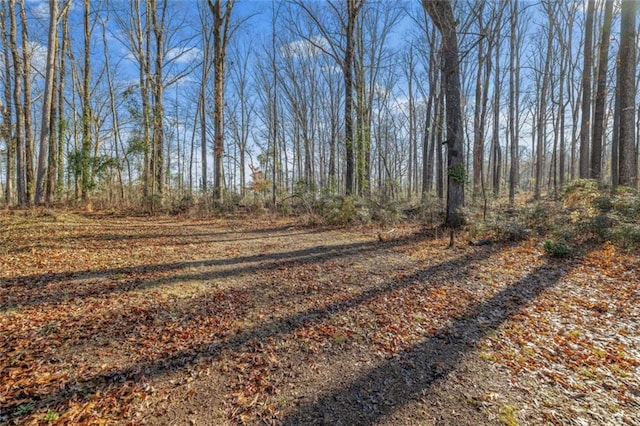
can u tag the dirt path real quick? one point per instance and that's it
(267, 322)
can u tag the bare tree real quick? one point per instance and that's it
(514, 102)
(222, 31)
(586, 91)
(542, 103)
(443, 18)
(483, 71)
(47, 123)
(601, 93)
(7, 109)
(241, 108)
(27, 105)
(85, 153)
(626, 92)
(18, 64)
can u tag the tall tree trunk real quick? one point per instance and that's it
(52, 160)
(203, 111)
(496, 152)
(157, 88)
(26, 105)
(221, 33)
(484, 68)
(601, 93)
(85, 156)
(49, 87)
(428, 148)
(362, 142)
(62, 122)
(353, 8)
(7, 110)
(274, 111)
(19, 66)
(626, 88)
(442, 15)
(439, 141)
(124, 158)
(586, 92)
(514, 102)
(542, 109)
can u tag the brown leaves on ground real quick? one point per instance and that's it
(107, 320)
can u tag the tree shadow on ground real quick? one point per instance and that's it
(83, 387)
(160, 238)
(381, 391)
(90, 283)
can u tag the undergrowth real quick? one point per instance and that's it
(586, 213)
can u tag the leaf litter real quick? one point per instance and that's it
(263, 321)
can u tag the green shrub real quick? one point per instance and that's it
(628, 207)
(510, 232)
(538, 217)
(627, 236)
(581, 193)
(385, 213)
(341, 211)
(603, 203)
(558, 249)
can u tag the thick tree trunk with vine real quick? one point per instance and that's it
(221, 33)
(27, 106)
(442, 15)
(7, 111)
(85, 155)
(352, 13)
(157, 87)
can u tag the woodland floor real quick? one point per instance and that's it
(121, 320)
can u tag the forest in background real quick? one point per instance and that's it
(165, 104)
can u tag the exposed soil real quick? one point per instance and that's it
(264, 321)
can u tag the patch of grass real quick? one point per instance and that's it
(507, 415)
(589, 374)
(50, 416)
(24, 409)
(574, 333)
(489, 356)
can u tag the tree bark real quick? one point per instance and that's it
(49, 87)
(628, 168)
(26, 106)
(514, 103)
(442, 15)
(601, 93)
(542, 109)
(353, 8)
(7, 110)
(221, 33)
(586, 92)
(18, 66)
(85, 157)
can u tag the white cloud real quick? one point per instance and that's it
(39, 9)
(303, 49)
(184, 55)
(38, 54)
